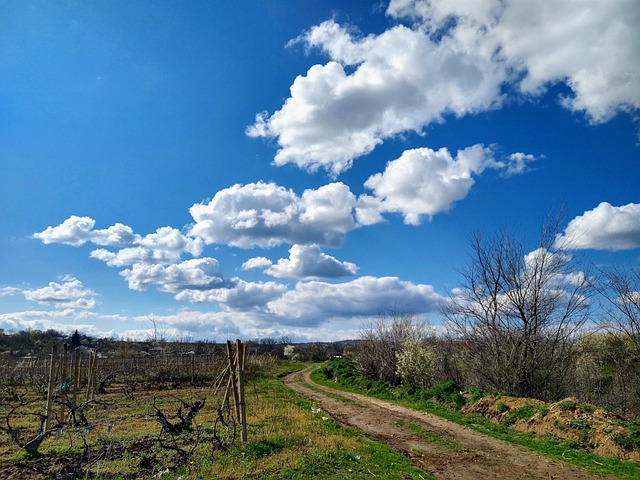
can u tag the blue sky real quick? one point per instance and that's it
(268, 168)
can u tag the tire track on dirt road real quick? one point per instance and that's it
(463, 453)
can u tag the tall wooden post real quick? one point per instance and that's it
(52, 376)
(232, 375)
(240, 351)
(64, 384)
(91, 383)
(76, 375)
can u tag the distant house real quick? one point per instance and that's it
(156, 351)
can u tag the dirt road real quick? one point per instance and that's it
(451, 451)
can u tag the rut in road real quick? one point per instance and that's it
(454, 452)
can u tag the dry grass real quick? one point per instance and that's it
(124, 439)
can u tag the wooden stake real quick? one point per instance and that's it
(52, 376)
(76, 375)
(64, 384)
(92, 374)
(240, 365)
(232, 373)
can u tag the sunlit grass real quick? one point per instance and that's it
(557, 449)
(287, 439)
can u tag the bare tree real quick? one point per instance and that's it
(519, 313)
(620, 289)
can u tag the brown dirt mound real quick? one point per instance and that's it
(593, 428)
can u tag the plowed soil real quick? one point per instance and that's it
(466, 454)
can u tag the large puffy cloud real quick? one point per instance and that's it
(313, 302)
(200, 281)
(454, 59)
(265, 215)
(401, 81)
(237, 294)
(77, 231)
(166, 245)
(604, 228)
(197, 273)
(62, 320)
(223, 325)
(305, 261)
(594, 46)
(424, 182)
(70, 294)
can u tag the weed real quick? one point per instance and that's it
(476, 394)
(586, 408)
(501, 407)
(542, 410)
(263, 447)
(448, 392)
(523, 413)
(567, 405)
(629, 439)
(558, 424)
(579, 424)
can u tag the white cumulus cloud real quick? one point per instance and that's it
(452, 58)
(237, 294)
(305, 261)
(373, 88)
(592, 46)
(77, 231)
(312, 302)
(604, 228)
(265, 215)
(70, 294)
(197, 273)
(165, 246)
(424, 182)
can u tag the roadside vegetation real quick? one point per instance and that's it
(566, 430)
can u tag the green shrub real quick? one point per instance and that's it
(448, 392)
(629, 439)
(579, 424)
(523, 413)
(585, 407)
(542, 410)
(501, 407)
(476, 394)
(567, 405)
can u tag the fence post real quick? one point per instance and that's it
(232, 376)
(91, 383)
(52, 375)
(240, 364)
(64, 384)
(76, 375)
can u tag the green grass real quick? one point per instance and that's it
(523, 413)
(432, 437)
(570, 451)
(567, 405)
(542, 410)
(286, 440)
